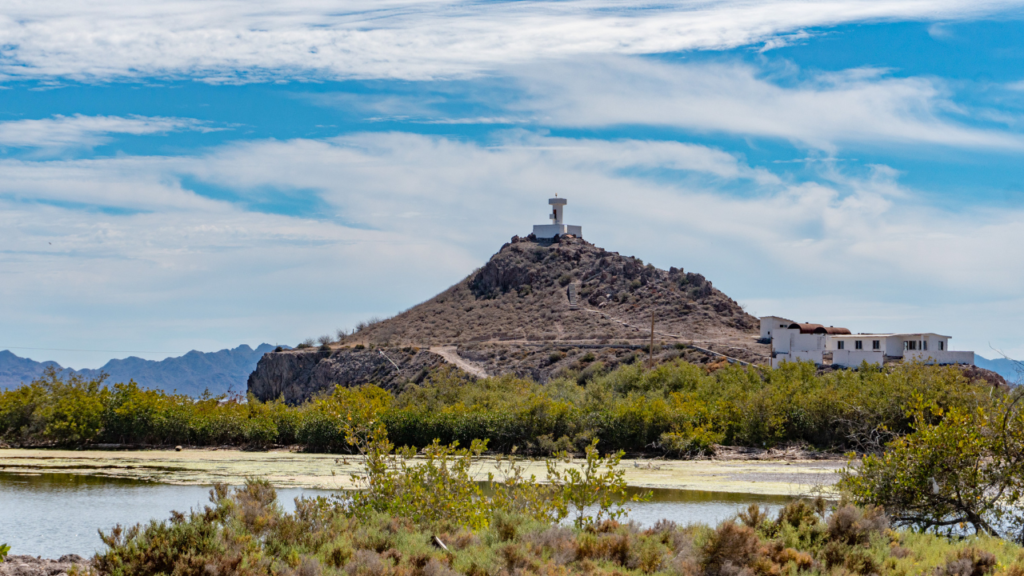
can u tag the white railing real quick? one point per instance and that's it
(854, 358)
(939, 356)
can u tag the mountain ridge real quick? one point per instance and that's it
(193, 373)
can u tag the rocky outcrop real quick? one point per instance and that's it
(33, 566)
(298, 375)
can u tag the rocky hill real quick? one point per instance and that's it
(571, 291)
(536, 309)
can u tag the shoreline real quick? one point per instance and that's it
(779, 473)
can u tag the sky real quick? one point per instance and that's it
(185, 174)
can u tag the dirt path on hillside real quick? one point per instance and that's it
(451, 356)
(660, 334)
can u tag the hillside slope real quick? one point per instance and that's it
(537, 309)
(523, 295)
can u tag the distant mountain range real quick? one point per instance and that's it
(219, 372)
(1005, 368)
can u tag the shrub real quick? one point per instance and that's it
(730, 545)
(244, 531)
(969, 561)
(853, 526)
(677, 409)
(596, 483)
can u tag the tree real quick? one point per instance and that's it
(960, 467)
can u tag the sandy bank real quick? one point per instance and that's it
(295, 469)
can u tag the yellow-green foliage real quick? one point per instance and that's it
(962, 466)
(679, 409)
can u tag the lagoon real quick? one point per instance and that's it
(52, 514)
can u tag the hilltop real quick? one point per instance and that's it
(569, 290)
(536, 309)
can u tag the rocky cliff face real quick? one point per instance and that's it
(298, 375)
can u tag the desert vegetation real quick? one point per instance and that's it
(939, 493)
(677, 409)
(427, 517)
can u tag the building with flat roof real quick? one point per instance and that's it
(834, 346)
(557, 227)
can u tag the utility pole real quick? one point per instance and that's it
(650, 351)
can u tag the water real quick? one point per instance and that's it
(50, 515)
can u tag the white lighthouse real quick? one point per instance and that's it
(556, 228)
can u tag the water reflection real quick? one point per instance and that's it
(53, 514)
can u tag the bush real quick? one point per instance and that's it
(245, 532)
(676, 409)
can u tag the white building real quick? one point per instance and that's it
(770, 324)
(832, 346)
(556, 228)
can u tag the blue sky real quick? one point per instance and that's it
(195, 175)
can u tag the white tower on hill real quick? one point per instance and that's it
(556, 228)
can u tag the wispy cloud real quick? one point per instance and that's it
(397, 206)
(239, 40)
(855, 106)
(78, 131)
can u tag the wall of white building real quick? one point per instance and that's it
(770, 325)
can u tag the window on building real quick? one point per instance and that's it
(876, 344)
(840, 345)
(924, 345)
(858, 345)
(906, 345)
(942, 345)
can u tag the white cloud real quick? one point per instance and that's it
(78, 131)
(854, 106)
(406, 215)
(239, 40)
